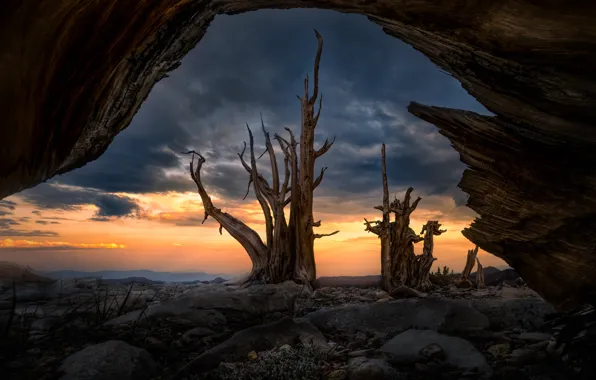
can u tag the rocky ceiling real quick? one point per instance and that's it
(74, 72)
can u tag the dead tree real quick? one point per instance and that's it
(288, 252)
(399, 265)
(464, 281)
(424, 262)
(479, 275)
(470, 261)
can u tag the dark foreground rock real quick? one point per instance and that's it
(393, 317)
(286, 331)
(108, 361)
(416, 345)
(281, 332)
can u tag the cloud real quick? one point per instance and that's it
(7, 223)
(7, 205)
(28, 233)
(68, 198)
(6, 229)
(6, 208)
(204, 104)
(52, 245)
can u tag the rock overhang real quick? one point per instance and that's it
(90, 66)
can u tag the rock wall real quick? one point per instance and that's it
(75, 72)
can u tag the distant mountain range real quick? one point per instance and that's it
(494, 276)
(140, 273)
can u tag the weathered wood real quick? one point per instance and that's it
(524, 185)
(424, 262)
(470, 262)
(288, 253)
(464, 281)
(479, 275)
(399, 264)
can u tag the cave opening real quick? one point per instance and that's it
(246, 65)
(524, 62)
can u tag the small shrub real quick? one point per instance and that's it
(302, 362)
(443, 276)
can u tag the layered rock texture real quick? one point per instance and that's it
(73, 74)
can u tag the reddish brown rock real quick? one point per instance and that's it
(532, 176)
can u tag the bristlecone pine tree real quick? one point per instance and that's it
(399, 264)
(479, 275)
(288, 252)
(465, 282)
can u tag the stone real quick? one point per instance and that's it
(371, 369)
(433, 351)
(108, 361)
(359, 353)
(259, 338)
(44, 324)
(197, 333)
(403, 291)
(527, 313)
(337, 374)
(176, 312)
(534, 337)
(522, 356)
(464, 284)
(399, 315)
(407, 347)
(154, 343)
(216, 305)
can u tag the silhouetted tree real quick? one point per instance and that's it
(399, 265)
(288, 252)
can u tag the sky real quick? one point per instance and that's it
(136, 206)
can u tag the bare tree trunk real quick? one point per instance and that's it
(465, 275)
(383, 229)
(399, 264)
(424, 262)
(305, 236)
(288, 253)
(247, 237)
(470, 261)
(479, 275)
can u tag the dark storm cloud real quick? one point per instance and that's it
(29, 233)
(254, 63)
(48, 196)
(45, 222)
(6, 207)
(7, 223)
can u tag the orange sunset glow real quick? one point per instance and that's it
(169, 236)
(136, 207)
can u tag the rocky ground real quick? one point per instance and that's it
(88, 331)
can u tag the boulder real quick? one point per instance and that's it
(412, 345)
(182, 313)
(110, 360)
(527, 313)
(406, 292)
(393, 317)
(214, 305)
(258, 338)
(371, 369)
